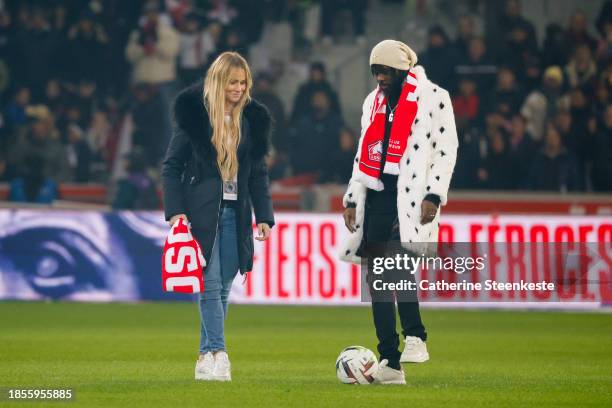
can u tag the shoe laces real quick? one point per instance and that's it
(412, 342)
(222, 359)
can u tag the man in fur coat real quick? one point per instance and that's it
(401, 174)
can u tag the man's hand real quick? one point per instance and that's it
(176, 217)
(428, 212)
(264, 231)
(349, 218)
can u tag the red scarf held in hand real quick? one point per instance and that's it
(372, 144)
(182, 261)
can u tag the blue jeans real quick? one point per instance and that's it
(220, 274)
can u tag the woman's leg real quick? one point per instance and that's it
(211, 308)
(229, 254)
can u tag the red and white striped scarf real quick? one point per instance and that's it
(371, 147)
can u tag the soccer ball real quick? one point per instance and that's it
(355, 365)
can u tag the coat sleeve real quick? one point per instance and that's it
(355, 189)
(259, 187)
(177, 155)
(443, 153)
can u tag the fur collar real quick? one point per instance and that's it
(190, 115)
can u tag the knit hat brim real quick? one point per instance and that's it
(394, 54)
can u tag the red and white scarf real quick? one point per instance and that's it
(182, 261)
(372, 143)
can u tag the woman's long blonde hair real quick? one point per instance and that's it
(226, 135)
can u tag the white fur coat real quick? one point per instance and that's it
(425, 168)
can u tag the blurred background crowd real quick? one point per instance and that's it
(86, 88)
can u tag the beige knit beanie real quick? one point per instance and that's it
(394, 54)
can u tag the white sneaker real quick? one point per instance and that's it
(388, 375)
(415, 351)
(204, 367)
(222, 370)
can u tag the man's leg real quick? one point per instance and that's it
(377, 226)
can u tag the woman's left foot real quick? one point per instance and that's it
(415, 351)
(222, 369)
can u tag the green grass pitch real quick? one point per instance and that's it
(143, 355)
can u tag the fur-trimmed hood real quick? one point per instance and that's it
(190, 115)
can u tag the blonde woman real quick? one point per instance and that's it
(213, 171)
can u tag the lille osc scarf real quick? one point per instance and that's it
(372, 144)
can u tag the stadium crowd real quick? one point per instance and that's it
(77, 77)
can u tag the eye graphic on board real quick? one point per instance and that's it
(65, 256)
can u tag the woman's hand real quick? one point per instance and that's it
(176, 217)
(264, 231)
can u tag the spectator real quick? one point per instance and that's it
(5, 173)
(316, 82)
(519, 47)
(98, 137)
(7, 51)
(78, 154)
(604, 46)
(36, 45)
(601, 154)
(554, 47)
(86, 50)
(342, 169)
(468, 159)
(40, 140)
(86, 101)
(465, 34)
(532, 76)
(513, 28)
(521, 148)
(493, 173)
(264, 93)
(553, 167)
(152, 50)
(581, 69)
(604, 17)
(148, 118)
(315, 137)
(602, 98)
(439, 58)
(137, 191)
(55, 99)
(329, 15)
(507, 97)
(196, 46)
(477, 65)
(541, 105)
(230, 39)
(15, 113)
(578, 35)
(34, 186)
(222, 11)
(466, 105)
(580, 109)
